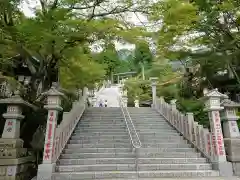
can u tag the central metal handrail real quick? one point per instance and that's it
(136, 143)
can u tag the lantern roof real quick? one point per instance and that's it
(214, 93)
(229, 103)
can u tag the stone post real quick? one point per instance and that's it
(154, 90)
(136, 102)
(14, 159)
(94, 101)
(173, 104)
(231, 133)
(125, 98)
(212, 106)
(189, 125)
(47, 167)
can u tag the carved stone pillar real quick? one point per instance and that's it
(212, 106)
(154, 90)
(46, 169)
(14, 159)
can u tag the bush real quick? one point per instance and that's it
(196, 107)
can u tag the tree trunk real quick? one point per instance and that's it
(111, 77)
(143, 71)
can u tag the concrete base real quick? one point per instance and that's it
(225, 168)
(236, 168)
(232, 147)
(45, 171)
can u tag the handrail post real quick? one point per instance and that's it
(47, 167)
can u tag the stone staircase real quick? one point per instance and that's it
(100, 148)
(164, 153)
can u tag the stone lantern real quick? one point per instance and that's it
(154, 89)
(212, 100)
(213, 106)
(229, 118)
(231, 132)
(14, 158)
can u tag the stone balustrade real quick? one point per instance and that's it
(201, 138)
(210, 143)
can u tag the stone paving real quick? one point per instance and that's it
(109, 94)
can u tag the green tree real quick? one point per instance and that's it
(109, 59)
(58, 32)
(212, 27)
(142, 57)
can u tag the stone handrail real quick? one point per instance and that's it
(67, 126)
(135, 140)
(195, 133)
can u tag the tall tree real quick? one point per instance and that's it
(58, 32)
(142, 56)
(212, 27)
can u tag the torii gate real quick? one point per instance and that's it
(125, 74)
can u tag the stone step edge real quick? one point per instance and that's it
(190, 164)
(115, 172)
(133, 158)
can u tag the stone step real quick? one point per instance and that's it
(102, 118)
(157, 123)
(160, 133)
(100, 141)
(165, 145)
(157, 126)
(97, 155)
(87, 161)
(99, 130)
(166, 130)
(106, 137)
(168, 155)
(155, 140)
(90, 124)
(133, 174)
(100, 133)
(159, 137)
(97, 161)
(101, 126)
(151, 149)
(171, 160)
(100, 145)
(177, 173)
(182, 178)
(94, 175)
(127, 154)
(157, 167)
(98, 150)
(96, 167)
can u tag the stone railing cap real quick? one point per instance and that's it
(17, 100)
(229, 103)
